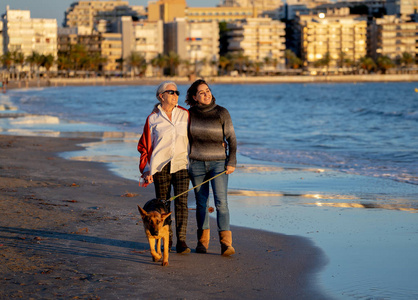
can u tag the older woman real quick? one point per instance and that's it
(213, 149)
(164, 156)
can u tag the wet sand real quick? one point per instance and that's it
(71, 229)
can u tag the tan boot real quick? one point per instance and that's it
(225, 237)
(203, 236)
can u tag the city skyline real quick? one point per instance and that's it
(53, 9)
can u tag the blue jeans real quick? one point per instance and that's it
(203, 170)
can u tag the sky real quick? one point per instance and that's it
(54, 9)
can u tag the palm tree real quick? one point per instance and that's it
(159, 62)
(241, 60)
(274, 63)
(19, 60)
(47, 62)
(384, 63)
(63, 62)
(258, 65)
(137, 62)
(95, 62)
(292, 61)
(324, 61)
(173, 61)
(223, 63)
(344, 61)
(31, 59)
(267, 61)
(7, 60)
(367, 63)
(188, 66)
(79, 57)
(406, 59)
(35, 60)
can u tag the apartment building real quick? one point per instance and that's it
(292, 8)
(87, 14)
(169, 10)
(258, 38)
(391, 36)
(219, 14)
(144, 37)
(195, 42)
(340, 35)
(401, 8)
(166, 10)
(100, 44)
(111, 49)
(265, 7)
(23, 34)
(1, 37)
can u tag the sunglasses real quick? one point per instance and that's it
(171, 92)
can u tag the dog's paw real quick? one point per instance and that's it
(165, 263)
(156, 258)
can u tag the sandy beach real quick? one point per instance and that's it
(70, 229)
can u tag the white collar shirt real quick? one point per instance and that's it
(169, 139)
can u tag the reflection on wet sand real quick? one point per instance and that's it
(262, 169)
(367, 205)
(395, 206)
(275, 194)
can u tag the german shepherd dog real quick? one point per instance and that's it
(156, 227)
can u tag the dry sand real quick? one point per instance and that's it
(68, 230)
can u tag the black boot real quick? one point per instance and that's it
(181, 247)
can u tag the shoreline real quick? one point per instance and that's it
(67, 229)
(102, 81)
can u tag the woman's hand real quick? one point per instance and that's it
(230, 169)
(147, 177)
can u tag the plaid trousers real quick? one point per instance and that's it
(180, 181)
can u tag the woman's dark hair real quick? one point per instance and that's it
(192, 91)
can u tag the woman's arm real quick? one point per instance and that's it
(145, 148)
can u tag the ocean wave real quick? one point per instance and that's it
(34, 119)
(389, 168)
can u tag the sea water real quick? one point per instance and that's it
(337, 163)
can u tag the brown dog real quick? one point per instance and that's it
(156, 228)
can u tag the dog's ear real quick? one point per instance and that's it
(164, 216)
(142, 212)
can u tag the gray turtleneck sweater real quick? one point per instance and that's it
(211, 134)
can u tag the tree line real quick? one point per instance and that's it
(78, 59)
(382, 64)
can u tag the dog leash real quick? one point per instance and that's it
(174, 197)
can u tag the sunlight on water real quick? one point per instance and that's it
(367, 205)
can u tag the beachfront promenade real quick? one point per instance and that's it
(55, 82)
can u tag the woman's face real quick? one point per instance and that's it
(168, 98)
(203, 95)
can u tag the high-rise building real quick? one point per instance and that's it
(87, 14)
(391, 36)
(195, 42)
(299, 7)
(219, 14)
(169, 10)
(144, 37)
(401, 8)
(166, 10)
(97, 44)
(342, 37)
(258, 38)
(264, 7)
(1, 37)
(26, 35)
